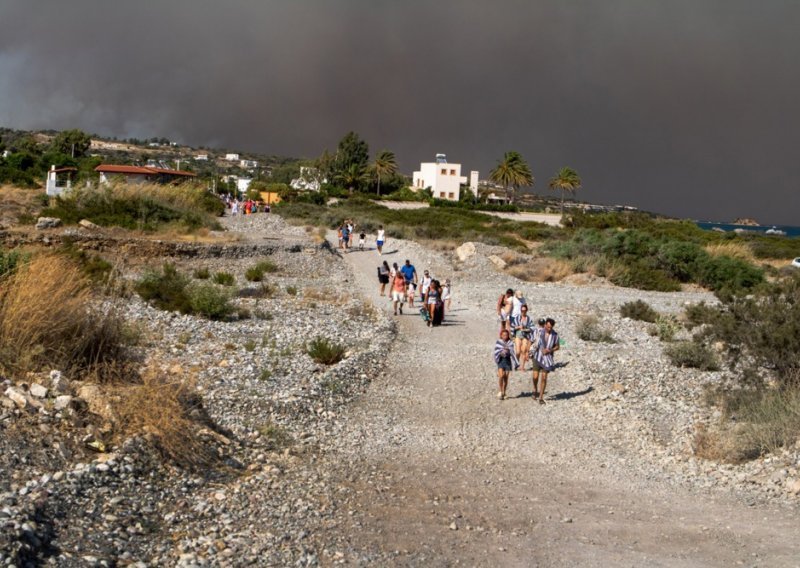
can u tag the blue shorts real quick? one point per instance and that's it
(380, 243)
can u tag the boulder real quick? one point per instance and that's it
(48, 223)
(465, 251)
(17, 396)
(62, 402)
(498, 262)
(96, 401)
(86, 224)
(37, 390)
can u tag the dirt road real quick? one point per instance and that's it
(445, 474)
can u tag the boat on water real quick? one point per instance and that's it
(775, 231)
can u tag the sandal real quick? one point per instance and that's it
(541, 401)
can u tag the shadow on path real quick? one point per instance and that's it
(569, 395)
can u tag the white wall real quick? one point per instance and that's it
(131, 179)
(443, 179)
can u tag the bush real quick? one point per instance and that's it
(9, 260)
(142, 207)
(291, 290)
(224, 279)
(325, 352)
(166, 409)
(47, 321)
(589, 329)
(166, 289)
(665, 328)
(691, 354)
(638, 310)
(256, 273)
(202, 273)
(639, 275)
(728, 275)
(209, 301)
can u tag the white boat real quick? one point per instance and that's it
(775, 231)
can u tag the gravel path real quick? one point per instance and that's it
(447, 474)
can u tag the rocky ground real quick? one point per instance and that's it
(398, 455)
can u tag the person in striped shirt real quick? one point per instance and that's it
(543, 362)
(506, 360)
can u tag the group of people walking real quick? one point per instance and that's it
(521, 339)
(434, 296)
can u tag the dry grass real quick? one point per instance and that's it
(441, 245)
(16, 202)
(46, 321)
(541, 270)
(732, 249)
(167, 410)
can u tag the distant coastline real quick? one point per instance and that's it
(790, 231)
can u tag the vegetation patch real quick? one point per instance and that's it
(693, 354)
(590, 329)
(638, 310)
(47, 321)
(209, 301)
(141, 207)
(224, 279)
(325, 352)
(256, 273)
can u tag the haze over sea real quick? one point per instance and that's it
(790, 230)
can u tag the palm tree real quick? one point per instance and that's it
(512, 171)
(352, 177)
(566, 179)
(385, 164)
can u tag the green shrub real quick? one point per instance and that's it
(699, 314)
(726, 274)
(209, 301)
(202, 273)
(639, 275)
(638, 310)
(224, 279)
(165, 288)
(665, 328)
(325, 352)
(691, 354)
(250, 345)
(256, 273)
(590, 329)
(681, 260)
(291, 290)
(9, 260)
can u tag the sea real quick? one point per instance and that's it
(728, 227)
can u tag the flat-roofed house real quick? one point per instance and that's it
(443, 178)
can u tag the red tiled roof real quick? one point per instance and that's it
(139, 170)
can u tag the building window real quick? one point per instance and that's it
(444, 171)
(452, 172)
(450, 195)
(441, 194)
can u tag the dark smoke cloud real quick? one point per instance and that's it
(683, 107)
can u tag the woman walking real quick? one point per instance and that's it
(383, 276)
(398, 292)
(432, 301)
(506, 360)
(521, 326)
(543, 362)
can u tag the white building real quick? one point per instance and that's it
(59, 180)
(242, 184)
(248, 164)
(443, 178)
(310, 180)
(473, 183)
(232, 157)
(201, 157)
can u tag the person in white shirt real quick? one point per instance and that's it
(380, 239)
(425, 284)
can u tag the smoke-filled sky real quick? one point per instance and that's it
(686, 107)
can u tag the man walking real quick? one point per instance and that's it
(543, 362)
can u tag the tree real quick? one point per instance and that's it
(512, 171)
(566, 179)
(352, 177)
(352, 151)
(385, 165)
(74, 143)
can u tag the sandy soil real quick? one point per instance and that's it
(548, 218)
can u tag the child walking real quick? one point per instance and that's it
(506, 360)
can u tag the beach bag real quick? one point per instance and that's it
(425, 314)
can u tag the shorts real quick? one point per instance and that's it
(398, 296)
(520, 334)
(539, 367)
(504, 317)
(504, 363)
(383, 278)
(379, 243)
